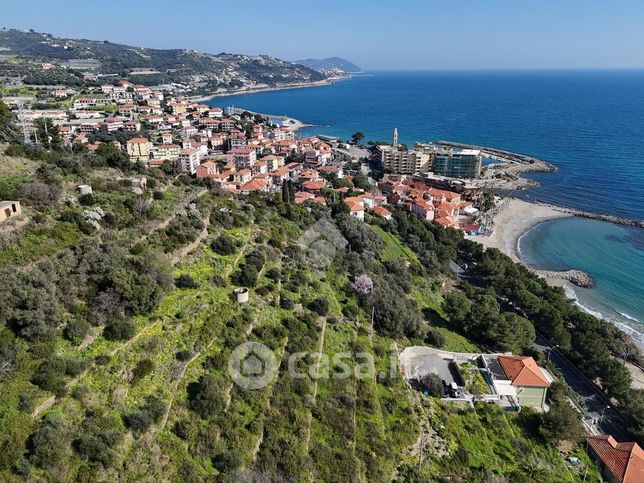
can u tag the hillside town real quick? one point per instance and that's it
(241, 153)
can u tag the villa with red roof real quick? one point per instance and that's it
(620, 462)
(519, 379)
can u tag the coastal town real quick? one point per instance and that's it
(168, 136)
(241, 153)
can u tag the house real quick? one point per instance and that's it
(253, 186)
(382, 212)
(242, 176)
(138, 149)
(242, 157)
(519, 378)
(302, 196)
(9, 209)
(314, 186)
(619, 462)
(356, 209)
(423, 209)
(111, 124)
(84, 189)
(208, 169)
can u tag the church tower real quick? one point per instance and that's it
(395, 143)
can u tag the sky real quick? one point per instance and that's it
(375, 34)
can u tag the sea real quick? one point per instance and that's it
(589, 123)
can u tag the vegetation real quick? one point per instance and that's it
(115, 341)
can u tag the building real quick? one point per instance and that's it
(455, 163)
(138, 149)
(208, 169)
(242, 157)
(9, 209)
(519, 379)
(167, 151)
(395, 160)
(189, 159)
(619, 462)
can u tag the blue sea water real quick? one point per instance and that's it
(589, 123)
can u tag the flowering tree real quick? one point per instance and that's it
(362, 285)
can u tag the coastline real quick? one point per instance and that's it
(518, 217)
(256, 90)
(514, 219)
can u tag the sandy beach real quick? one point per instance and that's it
(513, 220)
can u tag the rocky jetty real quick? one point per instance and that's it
(576, 277)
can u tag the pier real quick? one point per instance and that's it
(504, 156)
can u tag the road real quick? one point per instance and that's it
(595, 402)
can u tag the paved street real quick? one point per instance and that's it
(590, 395)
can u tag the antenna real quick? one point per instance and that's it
(23, 124)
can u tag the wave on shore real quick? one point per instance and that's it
(633, 332)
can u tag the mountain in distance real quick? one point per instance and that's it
(330, 64)
(201, 71)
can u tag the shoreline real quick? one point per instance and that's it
(513, 221)
(257, 90)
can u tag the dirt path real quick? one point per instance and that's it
(315, 387)
(50, 401)
(190, 247)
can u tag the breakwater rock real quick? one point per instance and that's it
(602, 217)
(576, 277)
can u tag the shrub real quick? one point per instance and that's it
(433, 383)
(142, 369)
(218, 281)
(119, 329)
(246, 276)
(286, 302)
(224, 245)
(435, 337)
(158, 195)
(186, 281)
(151, 412)
(207, 398)
(76, 330)
(273, 274)
(183, 355)
(319, 305)
(47, 444)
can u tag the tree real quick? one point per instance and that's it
(435, 337)
(207, 398)
(561, 423)
(362, 285)
(48, 444)
(185, 281)
(142, 369)
(433, 383)
(457, 307)
(8, 131)
(119, 329)
(357, 137)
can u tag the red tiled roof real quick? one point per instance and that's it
(253, 185)
(523, 371)
(624, 460)
(384, 212)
